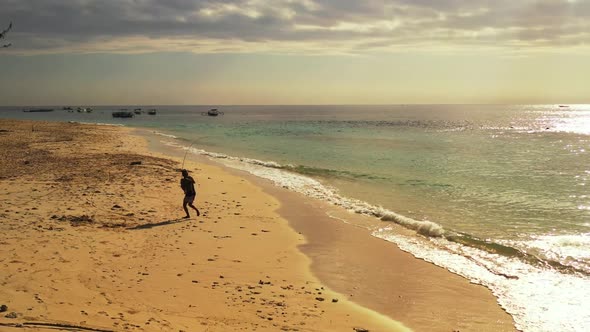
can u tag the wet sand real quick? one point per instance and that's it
(93, 237)
(378, 275)
(373, 272)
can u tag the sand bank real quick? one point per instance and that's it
(92, 240)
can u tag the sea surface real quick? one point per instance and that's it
(496, 193)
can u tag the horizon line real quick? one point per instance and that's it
(233, 105)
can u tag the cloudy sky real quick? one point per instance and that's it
(158, 52)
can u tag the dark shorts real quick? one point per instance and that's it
(189, 199)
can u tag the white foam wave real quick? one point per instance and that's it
(571, 250)
(559, 305)
(577, 245)
(261, 163)
(165, 135)
(312, 188)
(538, 299)
(423, 227)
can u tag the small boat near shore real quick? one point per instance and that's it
(84, 110)
(122, 114)
(38, 110)
(212, 112)
(152, 111)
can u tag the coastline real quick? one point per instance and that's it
(373, 272)
(253, 232)
(93, 238)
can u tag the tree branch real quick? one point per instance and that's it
(3, 34)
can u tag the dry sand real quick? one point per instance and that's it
(90, 240)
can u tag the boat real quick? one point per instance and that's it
(563, 105)
(212, 112)
(137, 111)
(67, 108)
(39, 110)
(152, 111)
(122, 114)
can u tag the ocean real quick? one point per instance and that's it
(495, 193)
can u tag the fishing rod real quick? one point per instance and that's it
(187, 149)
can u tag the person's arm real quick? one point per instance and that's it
(191, 178)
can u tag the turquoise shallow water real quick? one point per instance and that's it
(506, 183)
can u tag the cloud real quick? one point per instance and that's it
(292, 26)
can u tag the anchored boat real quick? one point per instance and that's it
(39, 110)
(122, 114)
(212, 112)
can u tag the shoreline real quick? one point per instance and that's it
(339, 251)
(93, 238)
(106, 238)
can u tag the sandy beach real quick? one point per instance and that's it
(93, 240)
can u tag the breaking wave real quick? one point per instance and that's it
(512, 271)
(165, 135)
(424, 227)
(285, 176)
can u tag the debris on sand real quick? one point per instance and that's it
(76, 220)
(11, 315)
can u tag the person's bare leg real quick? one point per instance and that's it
(198, 213)
(185, 210)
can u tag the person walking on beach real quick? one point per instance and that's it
(187, 183)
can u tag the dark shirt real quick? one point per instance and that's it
(188, 185)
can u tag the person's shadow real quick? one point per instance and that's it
(158, 224)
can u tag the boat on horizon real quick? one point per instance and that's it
(152, 111)
(122, 114)
(212, 112)
(84, 110)
(36, 110)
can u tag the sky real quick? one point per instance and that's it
(255, 52)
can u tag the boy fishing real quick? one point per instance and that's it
(187, 183)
